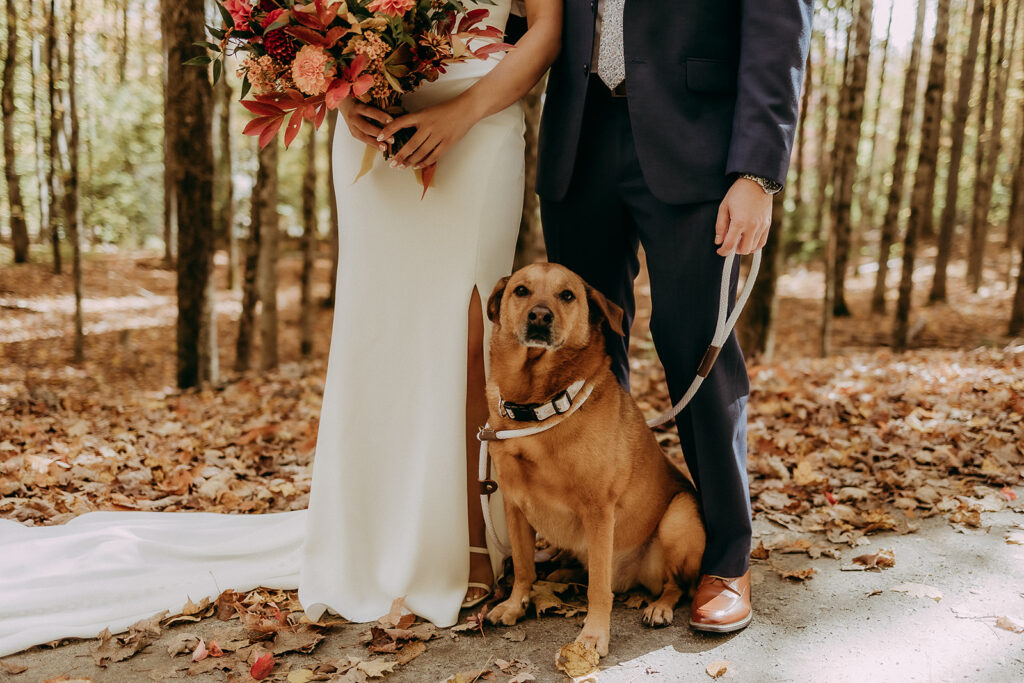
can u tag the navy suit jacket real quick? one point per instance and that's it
(713, 89)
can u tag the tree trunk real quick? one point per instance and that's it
(801, 138)
(19, 229)
(961, 112)
(122, 57)
(332, 197)
(990, 148)
(756, 328)
(1017, 313)
(867, 197)
(268, 263)
(188, 113)
(36, 66)
(921, 200)
(824, 164)
(53, 168)
(253, 247)
(71, 213)
(170, 170)
(890, 225)
(847, 144)
(309, 233)
(530, 243)
(1015, 222)
(226, 174)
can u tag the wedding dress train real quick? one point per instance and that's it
(387, 513)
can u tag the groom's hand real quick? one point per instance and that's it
(744, 218)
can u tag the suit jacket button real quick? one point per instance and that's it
(586, 69)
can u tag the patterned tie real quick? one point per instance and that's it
(611, 62)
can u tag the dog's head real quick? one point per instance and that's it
(548, 306)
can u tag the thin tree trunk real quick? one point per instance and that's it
(36, 66)
(253, 247)
(53, 169)
(801, 139)
(867, 197)
(961, 112)
(756, 328)
(890, 225)
(847, 145)
(332, 197)
(19, 228)
(924, 179)
(989, 157)
(530, 243)
(308, 247)
(1017, 313)
(122, 58)
(824, 164)
(268, 264)
(71, 213)
(188, 113)
(226, 175)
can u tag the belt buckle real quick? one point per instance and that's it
(619, 90)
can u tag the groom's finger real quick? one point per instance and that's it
(721, 223)
(732, 238)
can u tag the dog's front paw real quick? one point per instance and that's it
(508, 612)
(657, 615)
(595, 637)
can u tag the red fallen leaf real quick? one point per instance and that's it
(215, 650)
(1008, 493)
(262, 667)
(831, 498)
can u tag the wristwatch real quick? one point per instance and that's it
(767, 184)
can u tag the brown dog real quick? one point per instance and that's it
(597, 483)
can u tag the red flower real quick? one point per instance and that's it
(272, 17)
(281, 46)
(240, 11)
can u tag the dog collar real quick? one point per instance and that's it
(538, 412)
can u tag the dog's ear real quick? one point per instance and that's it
(602, 310)
(494, 302)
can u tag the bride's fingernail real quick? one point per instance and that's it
(382, 148)
(391, 141)
(394, 164)
(380, 138)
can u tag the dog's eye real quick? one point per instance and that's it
(567, 296)
(521, 291)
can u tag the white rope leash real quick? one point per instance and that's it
(723, 327)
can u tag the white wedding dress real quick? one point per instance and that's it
(387, 513)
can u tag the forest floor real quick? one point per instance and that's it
(886, 489)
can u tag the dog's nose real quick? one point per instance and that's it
(541, 315)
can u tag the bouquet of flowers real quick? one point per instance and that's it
(304, 57)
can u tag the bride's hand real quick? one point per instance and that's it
(437, 130)
(362, 121)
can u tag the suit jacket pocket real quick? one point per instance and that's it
(716, 76)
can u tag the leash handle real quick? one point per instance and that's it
(723, 327)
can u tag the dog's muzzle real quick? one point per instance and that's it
(539, 324)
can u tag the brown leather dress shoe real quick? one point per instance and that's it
(721, 605)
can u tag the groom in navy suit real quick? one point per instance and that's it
(670, 124)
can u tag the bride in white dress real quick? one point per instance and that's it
(392, 481)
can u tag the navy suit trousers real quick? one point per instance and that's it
(595, 230)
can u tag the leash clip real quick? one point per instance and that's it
(486, 434)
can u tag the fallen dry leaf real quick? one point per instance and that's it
(918, 590)
(718, 669)
(300, 676)
(883, 559)
(200, 653)
(516, 635)
(797, 574)
(262, 667)
(376, 668)
(1010, 624)
(577, 659)
(12, 668)
(411, 652)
